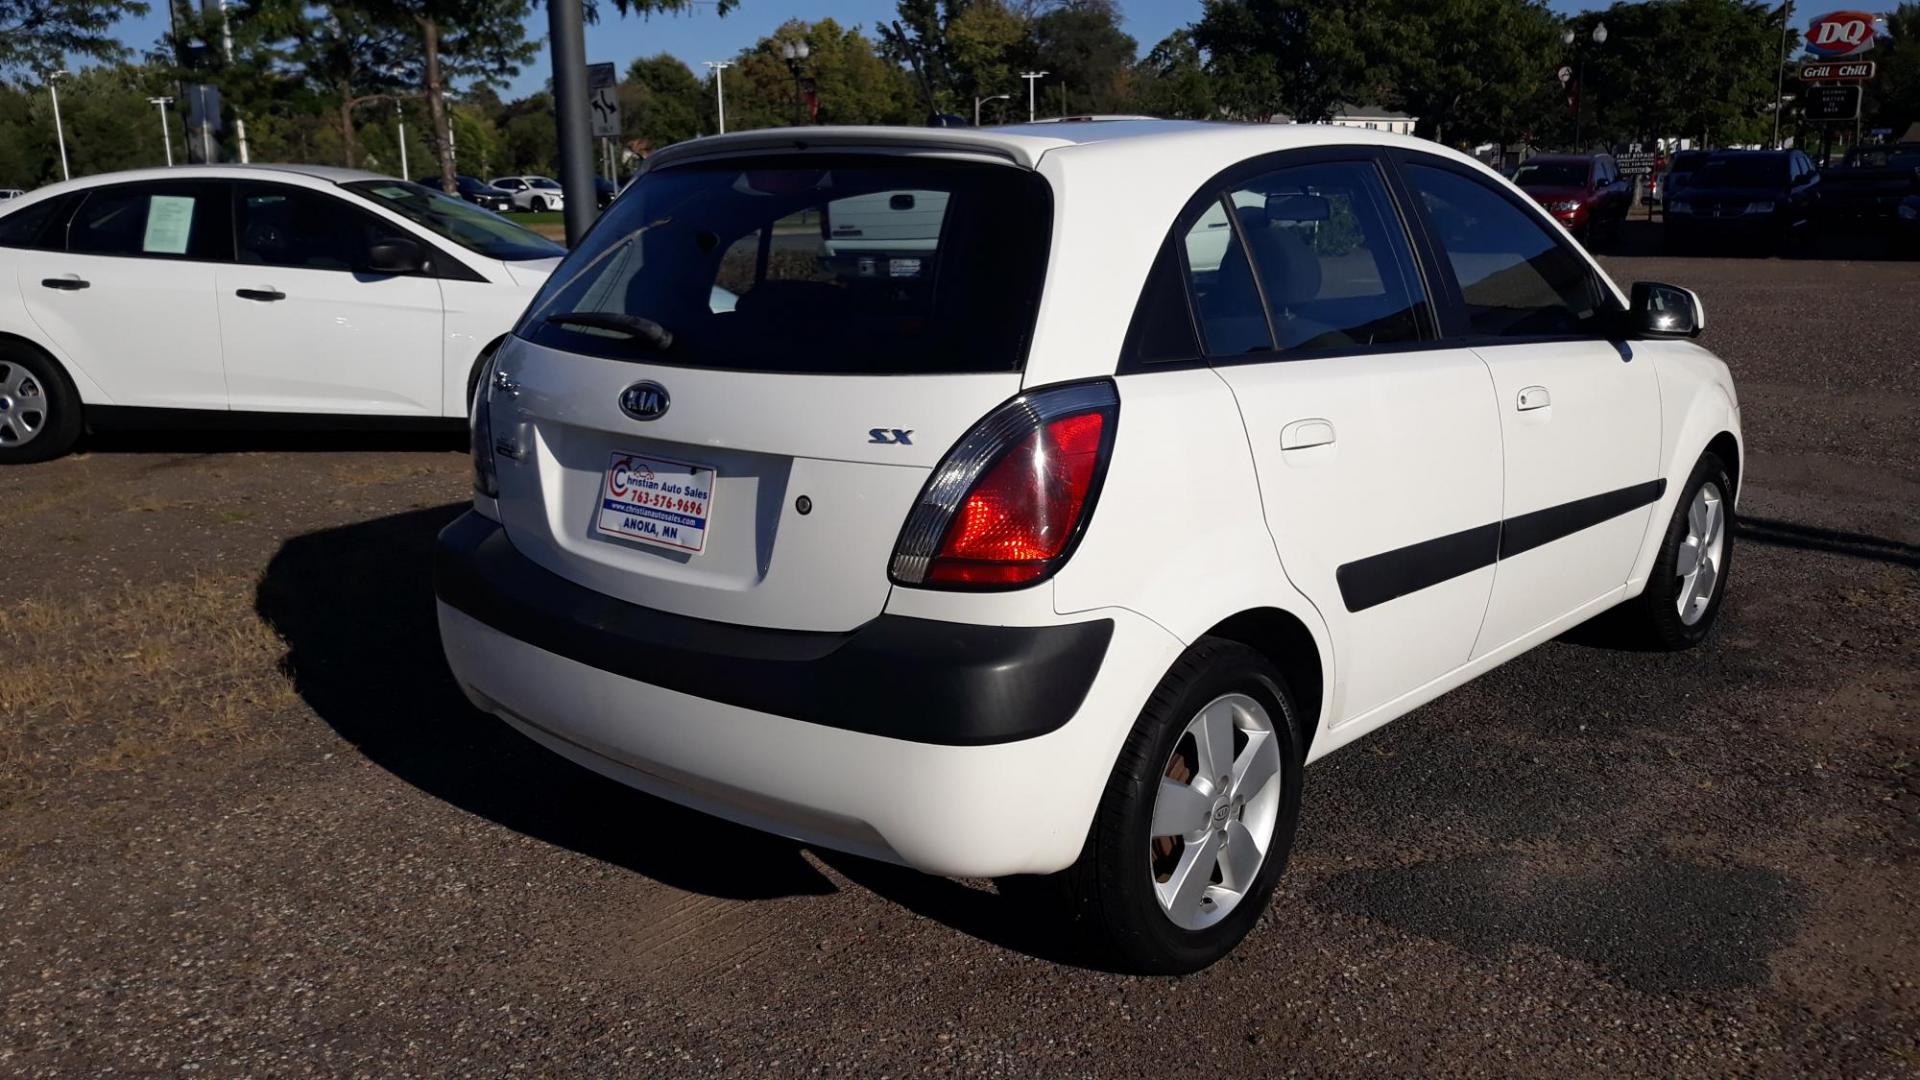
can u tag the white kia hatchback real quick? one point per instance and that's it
(1182, 456)
(251, 291)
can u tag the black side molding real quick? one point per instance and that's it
(955, 684)
(1376, 579)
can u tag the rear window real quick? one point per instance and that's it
(811, 264)
(1767, 170)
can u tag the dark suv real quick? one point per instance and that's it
(1584, 192)
(1758, 196)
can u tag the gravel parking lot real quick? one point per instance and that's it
(248, 826)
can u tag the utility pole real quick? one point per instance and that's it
(567, 32)
(719, 69)
(166, 136)
(400, 121)
(979, 101)
(226, 46)
(59, 132)
(1031, 77)
(1780, 76)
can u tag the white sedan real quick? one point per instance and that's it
(535, 193)
(247, 290)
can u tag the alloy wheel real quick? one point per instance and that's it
(1702, 552)
(1214, 812)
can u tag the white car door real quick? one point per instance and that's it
(1378, 454)
(1579, 413)
(307, 328)
(130, 300)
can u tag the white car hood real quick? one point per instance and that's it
(531, 273)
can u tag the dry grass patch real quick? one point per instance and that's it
(109, 682)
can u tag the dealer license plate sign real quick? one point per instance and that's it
(656, 501)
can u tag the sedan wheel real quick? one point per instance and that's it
(23, 405)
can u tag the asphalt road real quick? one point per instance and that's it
(247, 826)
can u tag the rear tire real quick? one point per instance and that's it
(1126, 887)
(1682, 598)
(39, 408)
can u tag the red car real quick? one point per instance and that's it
(1584, 192)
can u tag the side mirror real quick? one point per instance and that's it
(1658, 310)
(396, 256)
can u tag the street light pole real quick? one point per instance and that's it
(794, 53)
(566, 32)
(400, 120)
(59, 131)
(1032, 77)
(166, 136)
(1780, 76)
(1599, 37)
(979, 101)
(719, 69)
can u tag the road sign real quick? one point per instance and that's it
(1840, 33)
(603, 100)
(1851, 69)
(1840, 101)
(1635, 164)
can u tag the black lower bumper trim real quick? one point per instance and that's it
(955, 684)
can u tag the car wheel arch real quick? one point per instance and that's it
(1287, 642)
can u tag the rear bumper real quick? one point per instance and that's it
(949, 747)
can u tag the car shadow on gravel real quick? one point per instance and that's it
(1654, 923)
(355, 607)
(224, 440)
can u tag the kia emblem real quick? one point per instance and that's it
(645, 400)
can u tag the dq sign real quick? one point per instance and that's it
(1840, 33)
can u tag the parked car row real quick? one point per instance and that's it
(248, 289)
(1755, 197)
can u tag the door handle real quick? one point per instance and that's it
(70, 283)
(1533, 397)
(1302, 434)
(260, 294)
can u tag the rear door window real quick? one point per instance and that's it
(811, 264)
(163, 219)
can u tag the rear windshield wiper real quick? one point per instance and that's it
(617, 322)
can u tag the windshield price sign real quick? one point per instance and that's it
(1854, 69)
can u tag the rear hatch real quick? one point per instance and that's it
(751, 460)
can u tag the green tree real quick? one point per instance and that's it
(852, 83)
(663, 102)
(1172, 81)
(1299, 57)
(1893, 99)
(1080, 45)
(35, 34)
(1466, 68)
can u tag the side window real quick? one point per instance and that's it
(178, 220)
(290, 226)
(1331, 256)
(42, 225)
(1516, 279)
(1162, 328)
(1224, 294)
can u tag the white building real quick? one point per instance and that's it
(1371, 117)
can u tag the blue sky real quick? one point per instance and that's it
(702, 35)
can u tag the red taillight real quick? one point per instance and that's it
(1003, 507)
(1018, 518)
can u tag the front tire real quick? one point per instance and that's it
(539, 205)
(39, 408)
(1198, 817)
(1682, 599)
